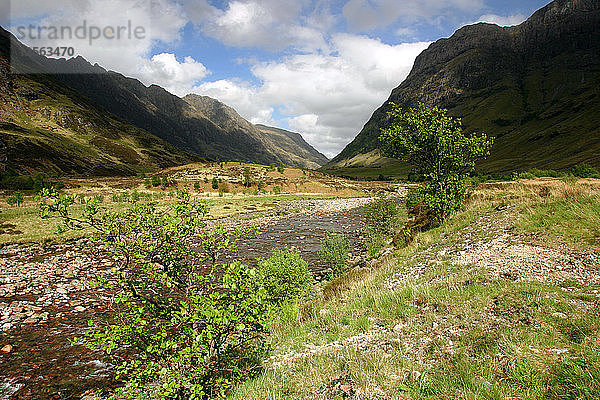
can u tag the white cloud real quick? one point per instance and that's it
(177, 77)
(510, 20)
(365, 15)
(161, 20)
(241, 96)
(325, 97)
(270, 24)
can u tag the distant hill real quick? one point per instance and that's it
(293, 148)
(101, 122)
(535, 87)
(288, 147)
(46, 126)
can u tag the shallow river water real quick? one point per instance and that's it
(44, 304)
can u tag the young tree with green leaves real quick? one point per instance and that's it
(437, 148)
(16, 199)
(185, 324)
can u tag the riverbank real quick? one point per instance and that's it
(501, 301)
(45, 299)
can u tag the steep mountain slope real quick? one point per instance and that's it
(47, 127)
(157, 111)
(535, 87)
(288, 147)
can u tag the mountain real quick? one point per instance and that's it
(45, 126)
(288, 147)
(293, 148)
(535, 87)
(158, 112)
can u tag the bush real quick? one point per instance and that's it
(285, 276)
(177, 328)
(334, 251)
(224, 187)
(585, 171)
(16, 199)
(380, 215)
(414, 196)
(155, 181)
(281, 168)
(215, 183)
(276, 189)
(197, 186)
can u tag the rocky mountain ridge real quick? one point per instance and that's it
(533, 86)
(290, 147)
(160, 114)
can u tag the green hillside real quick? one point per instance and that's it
(534, 87)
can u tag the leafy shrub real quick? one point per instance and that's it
(585, 171)
(276, 189)
(215, 183)
(285, 276)
(197, 186)
(155, 181)
(190, 333)
(280, 168)
(414, 196)
(334, 251)
(16, 199)
(380, 215)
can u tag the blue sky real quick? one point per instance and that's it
(316, 67)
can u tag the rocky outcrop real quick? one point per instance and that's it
(532, 86)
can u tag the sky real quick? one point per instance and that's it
(315, 67)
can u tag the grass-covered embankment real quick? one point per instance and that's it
(499, 302)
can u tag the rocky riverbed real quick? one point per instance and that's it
(45, 299)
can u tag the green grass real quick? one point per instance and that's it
(572, 219)
(451, 332)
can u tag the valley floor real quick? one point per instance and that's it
(500, 302)
(46, 300)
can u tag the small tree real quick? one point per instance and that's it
(435, 145)
(215, 183)
(334, 251)
(16, 199)
(186, 325)
(247, 178)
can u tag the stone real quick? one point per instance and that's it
(6, 349)
(80, 309)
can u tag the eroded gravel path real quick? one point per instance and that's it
(490, 243)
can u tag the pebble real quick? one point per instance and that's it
(6, 349)
(33, 279)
